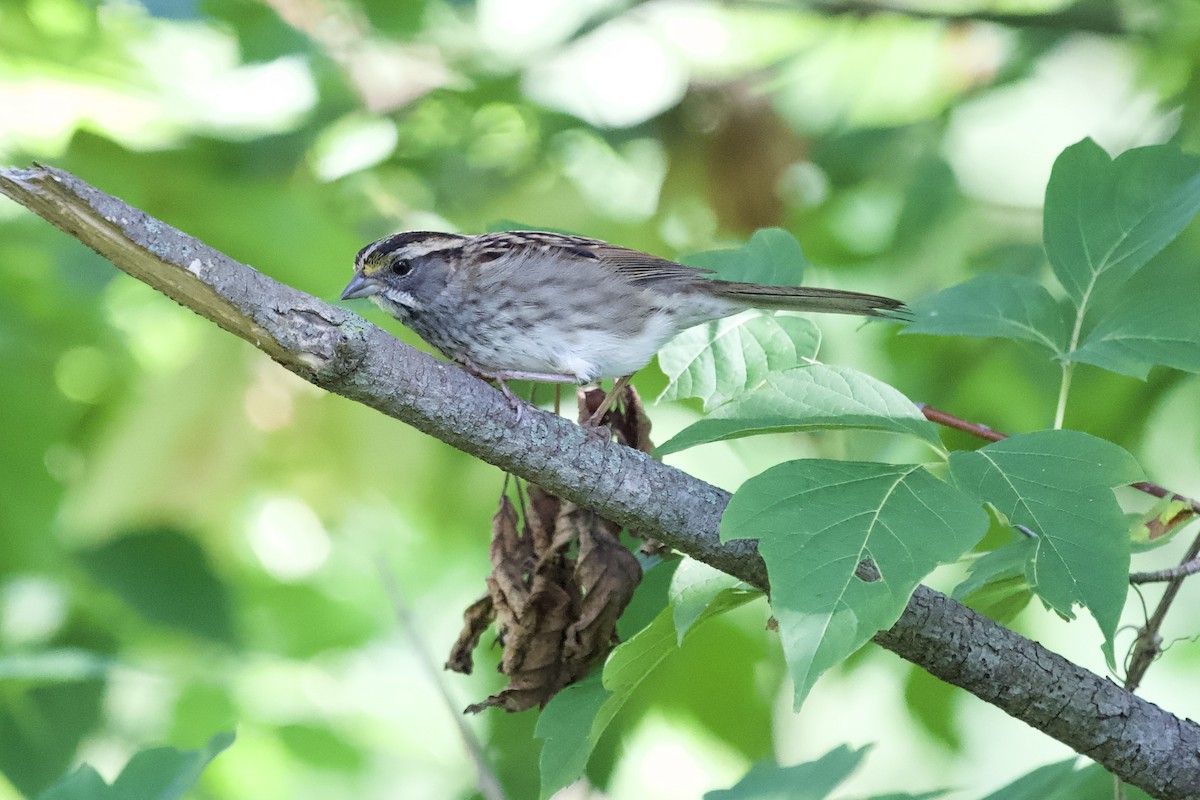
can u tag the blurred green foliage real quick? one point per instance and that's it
(193, 538)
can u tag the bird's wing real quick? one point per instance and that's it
(633, 265)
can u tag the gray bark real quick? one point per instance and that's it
(338, 351)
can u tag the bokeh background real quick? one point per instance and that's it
(191, 538)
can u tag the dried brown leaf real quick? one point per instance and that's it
(476, 619)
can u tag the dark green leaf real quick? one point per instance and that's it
(934, 703)
(1004, 562)
(1104, 219)
(1005, 306)
(815, 397)
(41, 727)
(163, 773)
(1154, 326)
(816, 520)
(1059, 485)
(813, 780)
(167, 578)
(574, 719)
(570, 724)
(1051, 782)
(772, 256)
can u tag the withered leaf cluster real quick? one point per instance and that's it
(560, 579)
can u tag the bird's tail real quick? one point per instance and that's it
(801, 298)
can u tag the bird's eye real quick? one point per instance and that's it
(401, 267)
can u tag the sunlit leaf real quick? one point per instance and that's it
(816, 520)
(814, 397)
(725, 358)
(1059, 485)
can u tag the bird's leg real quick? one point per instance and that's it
(502, 375)
(607, 402)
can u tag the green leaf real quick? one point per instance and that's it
(1004, 562)
(816, 520)
(1149, 326)
(813, 780)
(41, 727)
(699, 591)
(1104, 219)
(1051, 782)
(166, 577)
(162, 773)
(1003, 306)
(771, 256)
(934, 703)
(572, 722)
(724, 359)
(815, 397)
(1059, 485)
(82, 784)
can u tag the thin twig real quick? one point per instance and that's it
(1148, 644)
(1169, 574)
(487, 782)
(984, 432)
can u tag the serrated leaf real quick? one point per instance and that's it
(723, 359)
(772, 256)
(1059, 485)
(699, 591)
(1003, 306)
(1104, 218)
(1147, 328)
(816, 520)
(813, 780)
(814, 397)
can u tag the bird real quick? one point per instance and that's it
(557, 308)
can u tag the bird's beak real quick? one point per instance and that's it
(360, 286)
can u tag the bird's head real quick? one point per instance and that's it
(400, 272)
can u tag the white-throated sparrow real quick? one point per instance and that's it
(556, 308)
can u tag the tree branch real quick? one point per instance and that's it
(340, 352)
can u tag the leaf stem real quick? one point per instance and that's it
(1063, 390)
(990, 434)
